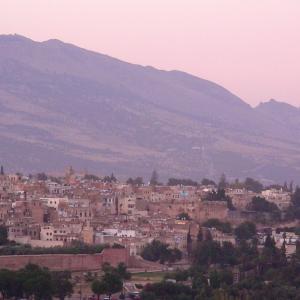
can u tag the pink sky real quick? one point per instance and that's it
(251, 47)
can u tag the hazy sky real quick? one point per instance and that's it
(251, 47)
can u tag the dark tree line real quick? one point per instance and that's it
(262, 274)
(138, 181)
(75, 248)
(111, 281)
(35, 281)
(160, 252)
(185, 182)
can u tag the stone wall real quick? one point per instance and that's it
(71, 262)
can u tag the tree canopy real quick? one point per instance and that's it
(245, 231)
(138, 181)
(35, 281)
(183, 181)
(154, 178)
(206, 181)
(112, 280)
(158, 251)
(260, 204)
(253, 185)
(3, 235)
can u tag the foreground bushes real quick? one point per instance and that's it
(75, 248)
(34, 281)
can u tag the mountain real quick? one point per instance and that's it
(63, 105)
(283, 113)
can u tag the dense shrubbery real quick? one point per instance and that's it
(182, 181)
(266, 274)
(138, 181)
(245, 231)
(159, 252)
(260, 204)
(91, 177)
(265, 210)
(212, 252)
(294, 210)
(3, 235)
(75, 248)
(111, 281)
(206, 181)
(167, 291)
(34, 281)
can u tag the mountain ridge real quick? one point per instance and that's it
(110, 115)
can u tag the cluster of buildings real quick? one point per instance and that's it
(56, 212)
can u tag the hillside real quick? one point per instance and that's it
(61, 105)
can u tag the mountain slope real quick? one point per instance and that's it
(60, 104)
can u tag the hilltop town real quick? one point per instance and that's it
(44, 211)
(149, 227)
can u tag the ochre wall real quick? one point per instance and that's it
(71, 262)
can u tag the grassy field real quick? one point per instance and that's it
(148, 276)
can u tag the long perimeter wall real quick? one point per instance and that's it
(71, 262)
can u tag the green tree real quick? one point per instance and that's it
(3, 235)
(189, 243)
(154, 178)
(206, 181)
(229, 254)
(113, 178)
(207, 252)
(245, 231)
(185, 182)
(148, 296)
(61, 284)
(167, 291)
(138, 181)
(122, 271)
(260, 204)
(291, 187)
(253, 185)
(129, 181)
(112, 282)
(158, 251)
(91, 177)
(223, 182)
(296, 197)
(98, 288)
(7, 283)
(200, 235)
(41, 176)
(37, 282)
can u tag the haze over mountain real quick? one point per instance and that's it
(62, 105)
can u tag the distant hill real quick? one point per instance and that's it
(61, 105)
